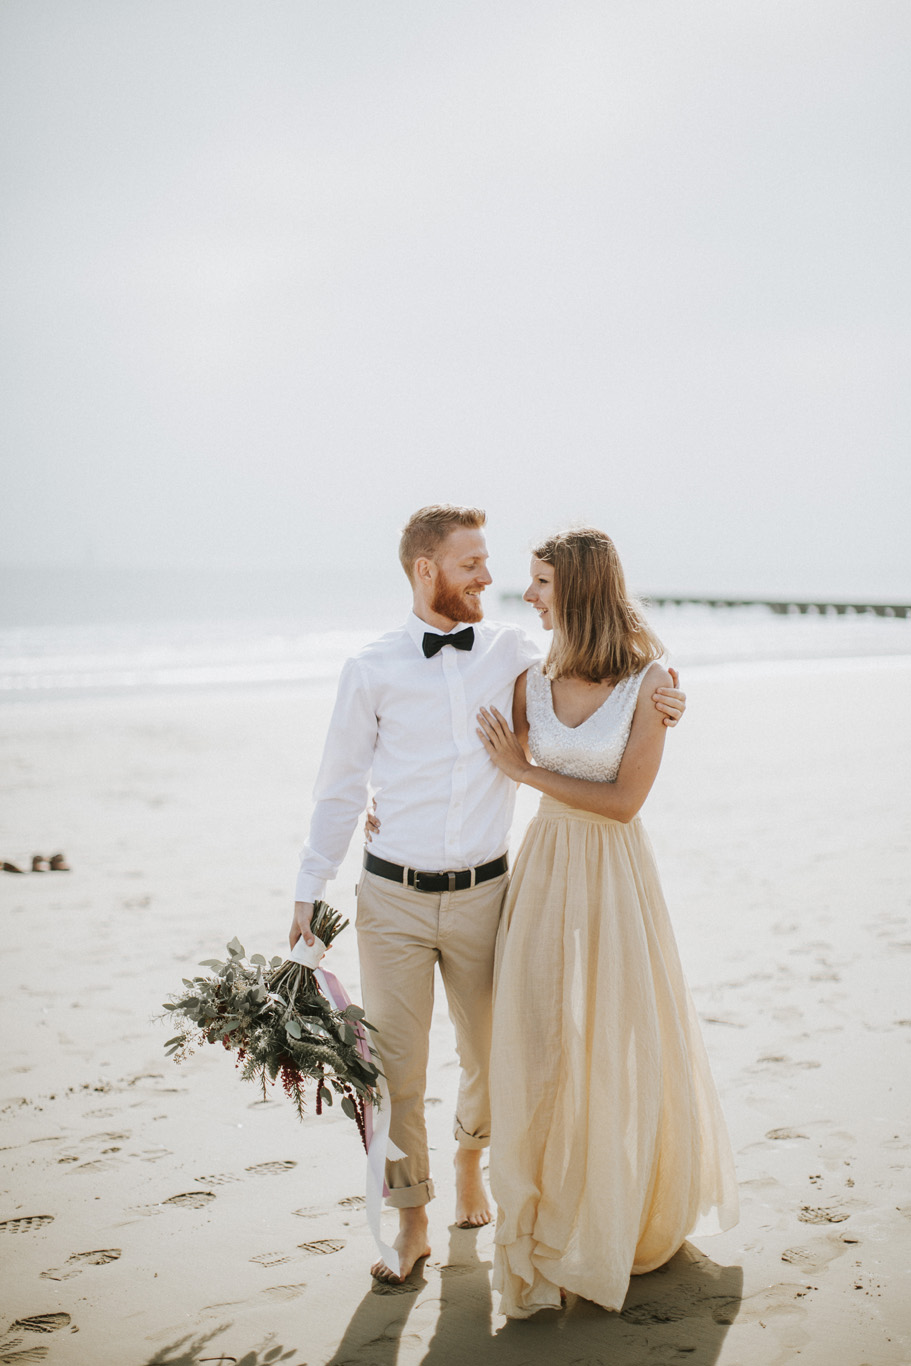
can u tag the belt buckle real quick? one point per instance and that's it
(451, 878)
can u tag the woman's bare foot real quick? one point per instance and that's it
(411, 1245)
(472, 1202)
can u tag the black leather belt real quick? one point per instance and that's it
(436, 882)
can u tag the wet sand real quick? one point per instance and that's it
(160, 1214)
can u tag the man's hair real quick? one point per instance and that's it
(427, 529)
(599, 631)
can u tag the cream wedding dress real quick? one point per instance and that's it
(608, 1143)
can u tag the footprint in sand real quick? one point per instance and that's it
(260, 1169)
(819, 1214)
(813, 1259)
(651, 1312)
(41, 1323)
(319, 1247)
(190, 1199)
(780, 1134)
(28, 1224)
(410, 1286)
(155, 1155)
(100, 1164)
(281, 1293)
(10, 1357)
(79, 1261)
(351, 1202)
(12, 1352)
(788, 1065)
(783, 1298)
(323, 1246)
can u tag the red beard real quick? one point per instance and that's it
(450, 602)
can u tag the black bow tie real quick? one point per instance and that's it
(433, 644)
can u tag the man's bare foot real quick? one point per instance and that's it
(411, 1245)
(472, 1202)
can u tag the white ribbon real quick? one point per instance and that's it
(379, 1145)
(308, 955)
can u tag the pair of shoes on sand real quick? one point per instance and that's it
(41, 863)
(55, 863)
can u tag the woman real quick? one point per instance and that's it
(608, 1146)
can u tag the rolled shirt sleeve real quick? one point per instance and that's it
(340, 792)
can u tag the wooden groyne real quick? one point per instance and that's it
(781, 606)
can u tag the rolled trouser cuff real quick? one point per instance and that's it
(467, 1140)
(410, 1197)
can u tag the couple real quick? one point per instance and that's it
(608, 1144)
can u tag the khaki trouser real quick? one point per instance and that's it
(402, 934)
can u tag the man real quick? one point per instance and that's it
(405, 720)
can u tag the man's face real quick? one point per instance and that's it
(461, 575)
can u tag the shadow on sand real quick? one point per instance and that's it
(195, 1350)
(687, 1306)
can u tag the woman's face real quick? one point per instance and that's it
(540, 592)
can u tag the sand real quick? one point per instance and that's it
(153, 1213)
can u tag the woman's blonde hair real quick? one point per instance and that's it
(599, 632)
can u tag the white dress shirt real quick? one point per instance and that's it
(407, 726)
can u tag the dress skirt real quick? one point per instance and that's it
(608, 1144)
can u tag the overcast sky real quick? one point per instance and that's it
(276, 274)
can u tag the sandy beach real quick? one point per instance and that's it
(161, 1215)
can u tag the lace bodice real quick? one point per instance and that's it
(592, 750)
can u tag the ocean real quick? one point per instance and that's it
(96, 632)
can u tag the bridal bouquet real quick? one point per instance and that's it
(283, 1019)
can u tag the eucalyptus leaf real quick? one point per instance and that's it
(235, 948)
(258, 959)
(294, 1029)
(348, 1107)
(353, 1012)
(325, 1095)
(212, 963)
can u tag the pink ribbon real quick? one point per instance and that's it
(332, 989)
(376, 1118)
(376, 1127)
